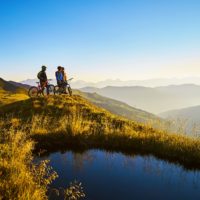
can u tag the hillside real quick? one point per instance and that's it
(190, 118)
(11, 92)
(11, 87)
(60, 122)
(190, 113)
(119, 108)
(154, 100)
(17, 84)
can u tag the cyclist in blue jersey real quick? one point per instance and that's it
(59, 76)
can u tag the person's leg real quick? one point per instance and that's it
(46, 85)
(60, 86)
(65, 87)
(43, 84)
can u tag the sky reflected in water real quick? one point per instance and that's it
(106, 176)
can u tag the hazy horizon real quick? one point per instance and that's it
(123, 83)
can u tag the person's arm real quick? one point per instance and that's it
(45, 76)
(56, 74)
(65, 77)
(61, 76)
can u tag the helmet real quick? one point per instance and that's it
(44, 67)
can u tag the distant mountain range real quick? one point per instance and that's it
(117, 82)
(154, 100)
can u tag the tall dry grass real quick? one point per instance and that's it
(97, 130)
(20, 179)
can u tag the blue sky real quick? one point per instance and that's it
(100, 39)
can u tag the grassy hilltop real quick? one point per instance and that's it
(62, 122)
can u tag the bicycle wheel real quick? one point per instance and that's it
(51, 89)
(57, 90)
(70, 91)
(33, 92)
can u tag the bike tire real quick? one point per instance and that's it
(57, 90)
(33, 92)
(51, 89)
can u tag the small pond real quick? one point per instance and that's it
(105, 176)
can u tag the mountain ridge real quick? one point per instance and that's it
(153, 100)
(117, 82)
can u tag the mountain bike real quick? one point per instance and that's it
(64, 87)
(36, 91)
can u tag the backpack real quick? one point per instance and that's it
(39, 75)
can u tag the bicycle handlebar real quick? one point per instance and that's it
(70, 79)
(52, 79)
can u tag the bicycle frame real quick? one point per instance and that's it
(39, 86)
(63, 86)
(43, 89)
(40, 89)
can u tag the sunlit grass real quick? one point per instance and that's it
(19, 178)
(62, 121)
(7, 98)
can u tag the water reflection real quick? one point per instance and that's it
(107, 175)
